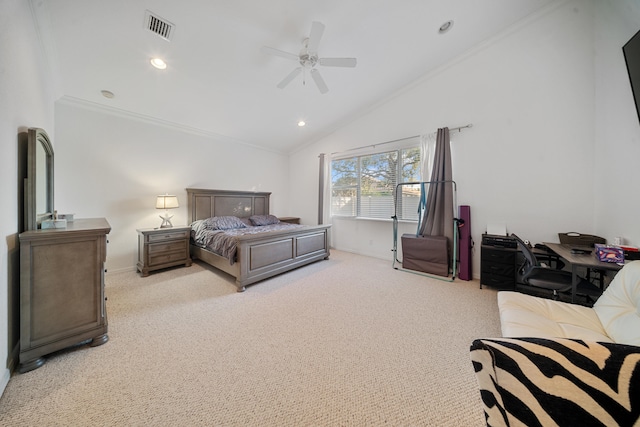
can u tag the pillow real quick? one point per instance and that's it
(199, 232)
(246, 221)
(224, 223)
(197, 226)
(259, 220)
(619, 306)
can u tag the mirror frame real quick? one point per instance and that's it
(38, 137)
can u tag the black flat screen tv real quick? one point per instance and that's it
(631, 52)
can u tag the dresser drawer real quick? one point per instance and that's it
(159, 237)
(166, 258)
(504, 256)
(507, 270)
(497, 281)
(170, 246)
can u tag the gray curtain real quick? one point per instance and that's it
(321, 189)
(438, 214)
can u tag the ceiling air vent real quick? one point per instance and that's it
(157, 25)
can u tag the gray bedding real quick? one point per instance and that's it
(206, 234)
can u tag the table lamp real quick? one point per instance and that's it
(166, 202)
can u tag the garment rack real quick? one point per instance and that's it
(459, 129)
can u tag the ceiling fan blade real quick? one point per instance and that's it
(315, 35)
(338, 62)
(322, 86)
(278, 52)
(292, 75)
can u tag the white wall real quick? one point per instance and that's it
(26, 100)
(617, 126)
(531, 159)
(112, 166)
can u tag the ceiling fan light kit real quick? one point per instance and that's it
(308, 59)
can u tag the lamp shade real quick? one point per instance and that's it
(166, 202)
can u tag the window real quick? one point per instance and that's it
(363, 186)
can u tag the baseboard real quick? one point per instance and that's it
(4, 380)
(121, 270)
(12, 364)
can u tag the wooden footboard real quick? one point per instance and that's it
(262, 256)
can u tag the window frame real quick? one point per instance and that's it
(357, 156)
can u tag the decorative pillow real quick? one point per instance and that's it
(619, 306)
(259, 220)
(224, 223)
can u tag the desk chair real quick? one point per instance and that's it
(545, 255)
(558, 281)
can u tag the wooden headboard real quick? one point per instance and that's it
(205, 203)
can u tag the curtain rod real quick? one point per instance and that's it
(459, 129)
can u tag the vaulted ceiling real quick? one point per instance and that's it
(220, 83)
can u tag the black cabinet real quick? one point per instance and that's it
(498, 262)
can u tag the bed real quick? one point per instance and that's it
(258, 256)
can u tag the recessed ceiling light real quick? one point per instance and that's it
(107, 94)
(301, 123)
(158, 63)
(445, 27)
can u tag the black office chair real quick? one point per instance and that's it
(532, 273)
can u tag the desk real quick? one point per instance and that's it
(580, 260)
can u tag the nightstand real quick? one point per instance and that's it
(163, 247)
(290, 219)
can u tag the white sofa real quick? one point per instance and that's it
(615, 317)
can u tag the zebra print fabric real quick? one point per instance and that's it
(557, 382)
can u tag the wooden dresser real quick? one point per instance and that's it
(62, 299)
(163, 247)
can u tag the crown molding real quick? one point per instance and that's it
(118, 112)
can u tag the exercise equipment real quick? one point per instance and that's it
(426, 251)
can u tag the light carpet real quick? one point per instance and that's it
(344, 342)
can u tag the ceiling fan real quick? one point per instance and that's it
(308, 59)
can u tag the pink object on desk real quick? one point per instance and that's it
(606, 253)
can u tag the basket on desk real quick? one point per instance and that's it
(576, 239)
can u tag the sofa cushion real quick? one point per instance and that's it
(524, 315)
(562, 382)
(619, 306)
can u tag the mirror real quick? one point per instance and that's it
(39, 182)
